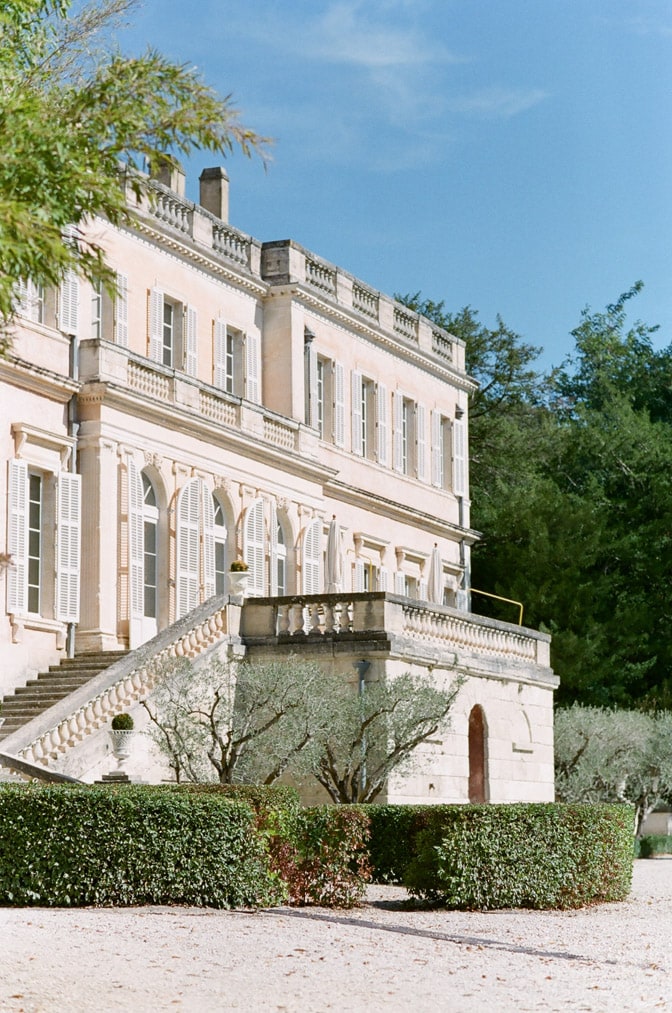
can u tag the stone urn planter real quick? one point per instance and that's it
(121, 734)
(238, 577)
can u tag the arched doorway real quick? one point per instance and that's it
(478, 759)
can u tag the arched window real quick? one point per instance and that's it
(478, 758)
(253, 547)
(150, 518)
(220, 546)
(195, 546)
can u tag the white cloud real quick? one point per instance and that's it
(500, 103)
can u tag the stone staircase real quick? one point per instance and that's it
(28, 701)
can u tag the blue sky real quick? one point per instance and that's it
(512, 155)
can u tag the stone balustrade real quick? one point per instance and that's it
(232, 244)
(381, 614)
(122, 685)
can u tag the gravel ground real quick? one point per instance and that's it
(611, 957)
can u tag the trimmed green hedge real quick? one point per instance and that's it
(71, 846)
(393, 837)
(523, 855)
(321, 853)
(654, 844)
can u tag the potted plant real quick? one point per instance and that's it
(121, 734)
(238, 578)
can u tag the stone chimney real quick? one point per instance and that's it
(214, 192)
(170, 175)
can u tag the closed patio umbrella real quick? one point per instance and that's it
(333, 565)
(435, 579)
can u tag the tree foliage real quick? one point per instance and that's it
(73, 109)
(606, 755)
(571, 481)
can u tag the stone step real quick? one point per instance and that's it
(49, 688)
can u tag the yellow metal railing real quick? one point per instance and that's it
(510, 601)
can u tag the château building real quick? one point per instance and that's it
(245, 400)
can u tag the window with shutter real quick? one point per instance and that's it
(399, 582)
(121, 311)
(191, 357)
(156, 325)
(273, 553)
(381, 424)
(208, 541)
(420, 443)
(356, 413)
(459, 458)
(359, 576)
(220, 536)
(68, 311)
(136, 552)
(437, 449)
(68, 547)
(187, 548)
(253, 548)
(253, 368)
(222, 377)
(312, 557)
(311, 386)
(398, 409)
(339, 404)
(17, 538)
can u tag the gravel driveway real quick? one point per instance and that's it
(611, 957)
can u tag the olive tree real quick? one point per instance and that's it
(375, 732)
(604, 755)
(235, 723)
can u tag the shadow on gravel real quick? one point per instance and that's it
(405, 930)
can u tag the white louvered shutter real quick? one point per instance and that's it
(422, 590)
(312, 419)
(356, 410)
(23, 298)
(273, 554)
(68, 524)
(191, 356)
(312, 557)
(121, 311)
(136, 553)
(156, 325)
(383, 579)
(68, 312)
(358, 576)
(253, 549)
(421, 442)
(398, 408)
(381, 424)
(188, 581)
(459, 458)
(339, 404)
(219, 357)
(208, 541)
(399, 582)
(253, 368)
(17, 538)
(437, 449)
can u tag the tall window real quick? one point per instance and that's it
(43, 538)
(168, 334)
(281, 561)
(220, 547)
(150, 515)
(321, 367)
(31, 301)
(34, 542)
(363, 416)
